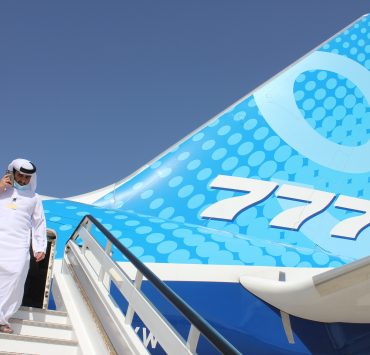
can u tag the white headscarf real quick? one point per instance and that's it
(25, 167)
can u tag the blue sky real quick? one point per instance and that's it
(92, 90)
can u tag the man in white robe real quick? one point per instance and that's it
(21, 215)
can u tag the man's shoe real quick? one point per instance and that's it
(5, 328)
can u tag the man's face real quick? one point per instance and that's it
(21, 179)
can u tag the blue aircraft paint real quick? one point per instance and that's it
(310, 127)
(252, 326)
(258, 323)
(153, 239)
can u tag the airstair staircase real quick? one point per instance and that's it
(90, 321)
(38, 331)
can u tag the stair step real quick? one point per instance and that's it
(42, 329)
(42, 315)
(16, 343)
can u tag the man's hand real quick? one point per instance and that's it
(39, 256)
(5, 182)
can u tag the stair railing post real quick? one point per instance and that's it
(108, 249)
(87, 226)
(130, 310)
(193, 339)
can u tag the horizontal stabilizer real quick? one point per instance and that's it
(336, 295)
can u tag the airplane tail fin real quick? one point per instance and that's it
(287, 163)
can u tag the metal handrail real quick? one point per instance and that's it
(213, 336)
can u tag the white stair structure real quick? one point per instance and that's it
(89, 321)
(38, 331)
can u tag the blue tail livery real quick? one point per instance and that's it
(259, 219)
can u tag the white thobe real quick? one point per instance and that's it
(21, 213)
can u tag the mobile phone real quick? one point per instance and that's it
(11, 176)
